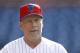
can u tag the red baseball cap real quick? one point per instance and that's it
(29, 9)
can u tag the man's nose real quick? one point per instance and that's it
(34, 23)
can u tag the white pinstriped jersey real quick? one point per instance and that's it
(46, 46)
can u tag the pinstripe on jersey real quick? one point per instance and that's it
(46, 46)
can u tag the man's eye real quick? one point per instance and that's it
(28, 21)
(36, 20)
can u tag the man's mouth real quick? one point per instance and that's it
(34, 30)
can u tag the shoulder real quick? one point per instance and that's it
(11, 45)
(54, 45)
(14, 42)
(50, 42)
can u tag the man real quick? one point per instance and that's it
(31, 23)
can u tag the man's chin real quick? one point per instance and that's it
(34, 33)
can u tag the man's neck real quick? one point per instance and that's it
(32, 43)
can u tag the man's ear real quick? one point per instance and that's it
(41, 25)
(21, 25)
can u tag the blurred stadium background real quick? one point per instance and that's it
(61, 24)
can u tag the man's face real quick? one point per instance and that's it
(32, 25)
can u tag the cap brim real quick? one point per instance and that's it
(34, 14)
